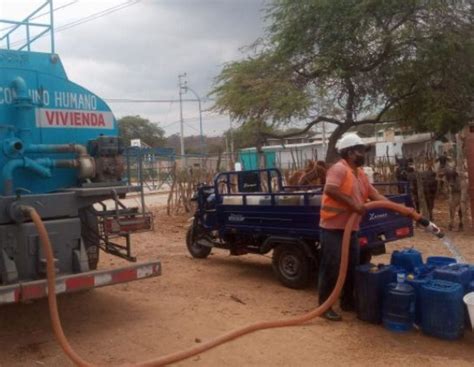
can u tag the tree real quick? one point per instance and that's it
(245, 136)
(356, 62)
(260, 95)
(136, 127)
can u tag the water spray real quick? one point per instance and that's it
(435, 230)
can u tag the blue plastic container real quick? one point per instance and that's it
(472, 272)
(399, 307)
(408, 259)
(370, 283)
(456, 273)
(440, 260)
(442, 309)
(470, 287)
(417, 283)
(424, 271)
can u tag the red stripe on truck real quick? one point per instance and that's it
(32, 291)
(124, 276)
(80, 283)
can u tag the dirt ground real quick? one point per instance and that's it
(195, 300)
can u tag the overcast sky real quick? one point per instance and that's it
(138, 52)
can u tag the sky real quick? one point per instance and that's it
(139, 48)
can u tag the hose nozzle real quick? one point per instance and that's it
(431, 227)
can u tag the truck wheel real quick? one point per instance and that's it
(195, 249)
(292, 266)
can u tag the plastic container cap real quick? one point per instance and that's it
(401, 277)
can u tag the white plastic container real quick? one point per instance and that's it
(315, 200)
(289, 200)
(255, 199)
(469, 301)
(232, 200)
(237, 166)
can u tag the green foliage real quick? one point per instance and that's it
(353, 62)
(442, 101)
(260, 88)
(246, 135)
(136, 127)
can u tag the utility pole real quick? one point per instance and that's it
(181, 87)
(231, 136)
(186, 88)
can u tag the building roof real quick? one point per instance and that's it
(284, 146)
(417, 138)
(408, 139)
(370, 141)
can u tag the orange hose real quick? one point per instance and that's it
(181, 355)
(52, 301)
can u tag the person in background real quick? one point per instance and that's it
(347, 189)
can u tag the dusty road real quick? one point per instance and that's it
(196, 300)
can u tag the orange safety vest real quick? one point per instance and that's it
(330, 207)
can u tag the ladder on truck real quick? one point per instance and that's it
(12, 39)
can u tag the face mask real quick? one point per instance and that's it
(359, 160)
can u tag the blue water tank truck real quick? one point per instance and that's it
(253, 212)
(59, 153)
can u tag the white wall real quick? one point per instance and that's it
(391, 149)
(285, 158)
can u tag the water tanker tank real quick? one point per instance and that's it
(41, 111)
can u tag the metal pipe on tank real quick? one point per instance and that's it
(57, 148)
(21, 91)
(84, 162)
(67, 163)
(24, 107)
(40, 166)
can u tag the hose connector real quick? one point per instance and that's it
(19, 212)
(431, 227)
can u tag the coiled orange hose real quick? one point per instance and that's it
(178, 356)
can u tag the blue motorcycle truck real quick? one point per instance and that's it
(252, 212)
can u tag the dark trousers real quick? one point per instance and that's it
(331, 246)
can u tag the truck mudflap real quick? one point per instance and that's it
(27, 291)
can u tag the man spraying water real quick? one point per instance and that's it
(346, 191)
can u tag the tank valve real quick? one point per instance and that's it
(86, 167)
